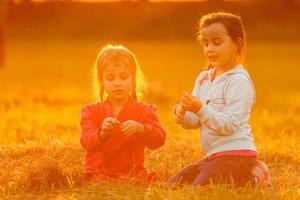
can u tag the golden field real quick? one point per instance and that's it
(45, 83)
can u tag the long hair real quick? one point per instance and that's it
(118, 54)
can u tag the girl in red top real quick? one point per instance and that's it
(116, 130)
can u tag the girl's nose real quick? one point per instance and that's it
(210, 48)
(117, 81)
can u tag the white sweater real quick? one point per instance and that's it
(226, 105)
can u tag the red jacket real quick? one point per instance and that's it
(120, 155)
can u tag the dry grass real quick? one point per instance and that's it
(45, 84)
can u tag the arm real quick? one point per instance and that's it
(154, 134)
(89, 129)
(239, 100)
(190, 119)
(90, 134)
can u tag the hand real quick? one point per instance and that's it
(179, 114)
(107, 125)
(190, 103)
(130, 127)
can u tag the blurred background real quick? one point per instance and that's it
(59, 40)
(48, 48)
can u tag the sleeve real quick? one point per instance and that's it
(191, 120)
(89, 130)
(154, 134)
(239, 100)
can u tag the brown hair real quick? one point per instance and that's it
(121, 55)
(233, 25)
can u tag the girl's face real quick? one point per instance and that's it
(117, 81)
(219, 49)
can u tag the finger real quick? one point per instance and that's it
(184, 93)
(113, 121)
(108, 124)
(107, 127)
(107, 121)
(185, 104)
(178, 110)
(131, 129)
(181, 111)
(109, 118)
(186, 107)
(187, 96)
(187, 99)
(126, 129)
(181, 115)
(130, 132)
(178, 121)
(126, 122)
(123, 124)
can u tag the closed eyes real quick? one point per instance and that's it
(111, 77)
(216, 42)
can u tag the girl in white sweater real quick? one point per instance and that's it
(220, 105)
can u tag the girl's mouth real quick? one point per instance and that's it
(212, 57)
(117, 91)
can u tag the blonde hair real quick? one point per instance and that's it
(121, 55)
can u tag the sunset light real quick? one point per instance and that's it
(150, 99)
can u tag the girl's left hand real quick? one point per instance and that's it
(130, 127)
(190, 103)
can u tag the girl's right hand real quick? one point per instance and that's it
(107, 125)
(179, 114)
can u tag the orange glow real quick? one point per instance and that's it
(48, 49)
(97, 1)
